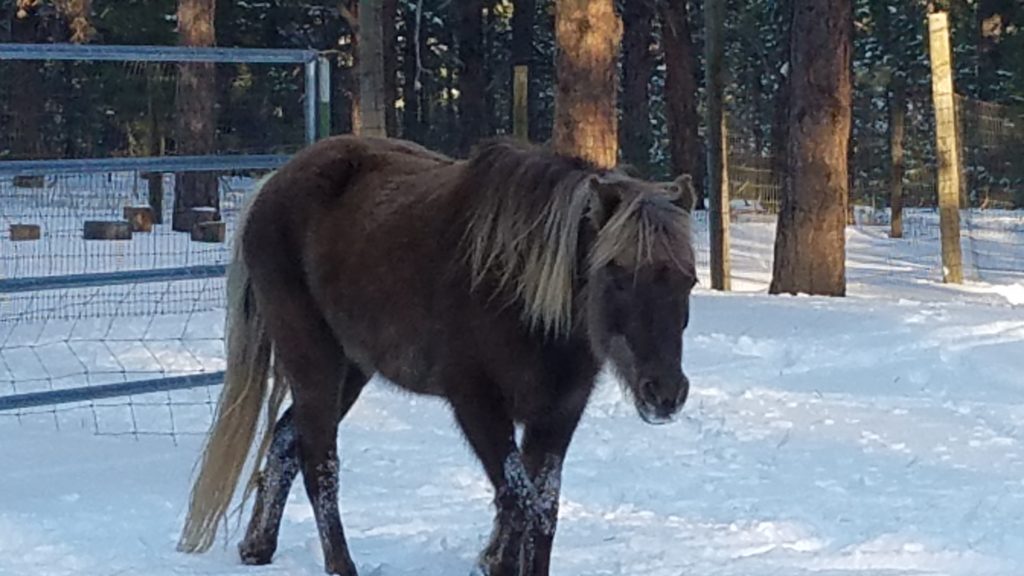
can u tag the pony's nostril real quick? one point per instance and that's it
(648, 391)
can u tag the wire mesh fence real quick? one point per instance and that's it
(992, 137)
(67, 330)
(991, 185)
(110, 320)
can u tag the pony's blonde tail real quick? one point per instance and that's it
(238, 410)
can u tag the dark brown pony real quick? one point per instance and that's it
(501, 283)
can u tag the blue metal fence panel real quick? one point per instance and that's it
(39, 283)
(167, 164)
(154, 54)
(143, 164)
(90, 393)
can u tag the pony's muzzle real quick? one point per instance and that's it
(661, 398)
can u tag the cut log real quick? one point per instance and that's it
(29, 181)
(107, 230)
(195, 216)
(212, 232)
(24, 232)
(141, 218)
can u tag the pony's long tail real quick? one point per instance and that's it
(237, 419)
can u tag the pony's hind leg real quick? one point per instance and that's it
(314, 365)
(317, 426)
(275, 481)
(273, 484)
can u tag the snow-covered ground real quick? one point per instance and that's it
(881, 434)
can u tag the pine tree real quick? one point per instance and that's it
(810, 244)
(586, 123)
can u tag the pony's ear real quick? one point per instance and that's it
(682, 192)
(606, 200)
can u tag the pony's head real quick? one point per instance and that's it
(641, 272)
(581, 250)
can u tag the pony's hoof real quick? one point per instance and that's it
(482, 568)
(254, 555)
(492, 568)
(341, 568)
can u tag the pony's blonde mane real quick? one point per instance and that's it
(647, 227)
(526, 209)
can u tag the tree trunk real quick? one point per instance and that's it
(413, 116)
(681, 81)
(893, 50)
(197, 124)
(522, 56)
(780, 109)
(851, 158)
(637, 66)
(350, 9)
(718, 154)
(371, 69)
(26, 105)
(810, 242)
(473, 117)
(412, 128)
(897, 122)
(390, 13)
(587, 33)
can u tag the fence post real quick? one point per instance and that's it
(947, 147)
(520, 104)
(718, 179)
(897, 124)
(323, 97)
(310, 96)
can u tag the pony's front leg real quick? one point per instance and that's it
(511, 549)
(491, 433)
(544, 449)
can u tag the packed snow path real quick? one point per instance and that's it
(823, 436)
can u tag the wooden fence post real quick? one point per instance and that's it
(947, 148)
(323, 100)
(520, 103)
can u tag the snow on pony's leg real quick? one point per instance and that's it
(548, 485)
(527, 496)
(546, 469)
(519, 515)
(274, 482)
